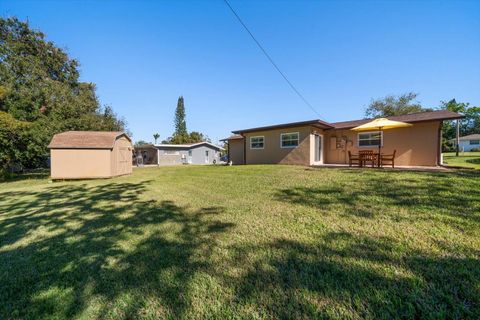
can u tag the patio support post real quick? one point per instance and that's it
(457, 138)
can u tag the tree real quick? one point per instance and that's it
(470, 124)
(394, 106)
(156, 136)
(12, 140)
(40, 85)
(196, 136)
(181, 134)
(140, 143)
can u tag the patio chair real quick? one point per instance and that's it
(353, 158)
(388, 159)
(367, 156)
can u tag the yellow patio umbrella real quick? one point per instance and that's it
(381, 124)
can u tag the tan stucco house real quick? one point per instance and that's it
(317, 142)
(90, 154)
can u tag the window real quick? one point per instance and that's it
(189, 153)
(289, 140)
(171, 152)
(474, 142)
(206, 153)
(370, 139)
(257, 142)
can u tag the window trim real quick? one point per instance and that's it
(263, 139)
(289, 147)
(370, 146)
(477, 142)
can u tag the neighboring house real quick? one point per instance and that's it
(172, 154)
(319, 142)
(467, 143)
(90, 154)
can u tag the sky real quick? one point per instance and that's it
(143, 55)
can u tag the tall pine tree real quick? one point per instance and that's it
(181, 134)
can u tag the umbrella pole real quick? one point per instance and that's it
(379, 146)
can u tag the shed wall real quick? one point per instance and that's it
(80, 163)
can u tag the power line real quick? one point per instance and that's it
(271, 60)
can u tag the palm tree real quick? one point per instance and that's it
(156, 136)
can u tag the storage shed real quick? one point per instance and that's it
(90, 154)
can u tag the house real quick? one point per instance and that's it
(90, 154)
(172, 154)
(467, 143)
(318, 142)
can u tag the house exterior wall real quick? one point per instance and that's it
(121, 157)
(80, 163)
(235, 148)
(466, 146)
(416, 146)
(199, 155)
(181, 155)
(272, 151)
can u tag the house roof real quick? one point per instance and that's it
(85, 139)
(233, 137)
(409, 118)
(436, 115)
(474, 136)
(316, 123)
(187, 145)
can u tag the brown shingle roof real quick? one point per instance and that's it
(315, 123)
(410, 118)
(233, 137)
(85, 139)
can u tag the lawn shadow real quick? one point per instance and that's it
(362, 276)
(456, 194)
(70, 245)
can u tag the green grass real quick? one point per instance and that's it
(464, 159)
(247, 242)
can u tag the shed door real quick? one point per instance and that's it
(123, 161)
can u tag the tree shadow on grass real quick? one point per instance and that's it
(71, 247)
(456, 195)
(347, 276)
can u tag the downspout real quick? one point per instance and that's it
(439, 145)
(228, 151)
(457, 138)
(244, 148)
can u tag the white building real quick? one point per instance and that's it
(467, 143)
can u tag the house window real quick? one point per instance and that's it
(474, 142)
(370, 139)
(189, 153)
(257, 142)
(171, 152)
(289, 140)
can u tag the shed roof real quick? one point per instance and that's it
(85, 139)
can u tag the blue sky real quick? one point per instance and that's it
(340, 54)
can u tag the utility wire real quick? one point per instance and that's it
(271, 60)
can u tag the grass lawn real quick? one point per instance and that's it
(464, 159)
(246, 242)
